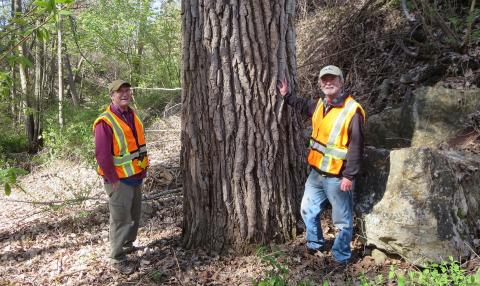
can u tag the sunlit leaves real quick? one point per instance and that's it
(8, 177)
(114, 31)
(22, 60)
(43, 34)
(5, 84)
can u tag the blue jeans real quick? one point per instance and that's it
(319, 190)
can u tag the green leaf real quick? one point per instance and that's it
(18, 20)
(401, 280)
(8, 189)
(19, 60)
(51, 6)
(64, 1)
(391, 273)
(24, 61)
(40, 3)
(43, 34)
(65, 12)
(477, 276)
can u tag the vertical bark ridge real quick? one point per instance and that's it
(237, 148)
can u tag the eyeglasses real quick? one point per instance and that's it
(129, 91)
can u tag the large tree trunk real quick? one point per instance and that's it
(242, 150)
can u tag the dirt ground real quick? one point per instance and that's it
(57, 243)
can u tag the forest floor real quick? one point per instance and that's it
(60, 241)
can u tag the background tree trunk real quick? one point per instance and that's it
(60, 72)
(71, 80)
(37, 87)
(140, 44)
(243, 152)
(50, 81)
(27, 105)
(13, 90)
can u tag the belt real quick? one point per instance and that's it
(326, 175)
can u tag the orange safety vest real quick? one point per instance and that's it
(129, 153)
(328, 143)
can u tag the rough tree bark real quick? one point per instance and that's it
(242, 150)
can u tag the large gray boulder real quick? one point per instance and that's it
(420, 203)
(440, 113)
(431, 116)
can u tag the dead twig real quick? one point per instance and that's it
(178, 266)
(162, 194)
(53, 203)
(161, 141)
(471, 249)
(404, 48)
(162, 130)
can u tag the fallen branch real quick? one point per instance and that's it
(158, 88)
(471, 248)
(162, 141)
(162, 130)
(53, 203)
(163, 193)
(405, 49)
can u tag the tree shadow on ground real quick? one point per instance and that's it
(85, 221)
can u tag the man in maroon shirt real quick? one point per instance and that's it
(124, 193)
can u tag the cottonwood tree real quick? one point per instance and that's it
(242, 149)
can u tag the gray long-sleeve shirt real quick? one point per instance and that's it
(355, 131)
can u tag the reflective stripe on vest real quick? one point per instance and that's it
(337, 127)
(120, 160)
(329, 151)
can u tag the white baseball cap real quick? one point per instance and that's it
(330, 69)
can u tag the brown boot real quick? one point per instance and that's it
(125, 267)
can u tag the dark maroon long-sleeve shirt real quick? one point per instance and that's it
(104, 146)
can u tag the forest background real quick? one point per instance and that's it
(58, 56)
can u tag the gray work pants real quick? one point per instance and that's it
(125, 208)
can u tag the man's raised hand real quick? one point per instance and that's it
(283, 87)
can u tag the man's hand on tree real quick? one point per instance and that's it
(283, 87)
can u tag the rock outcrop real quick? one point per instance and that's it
(421, 201)
(431, 116)
(428, 208)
